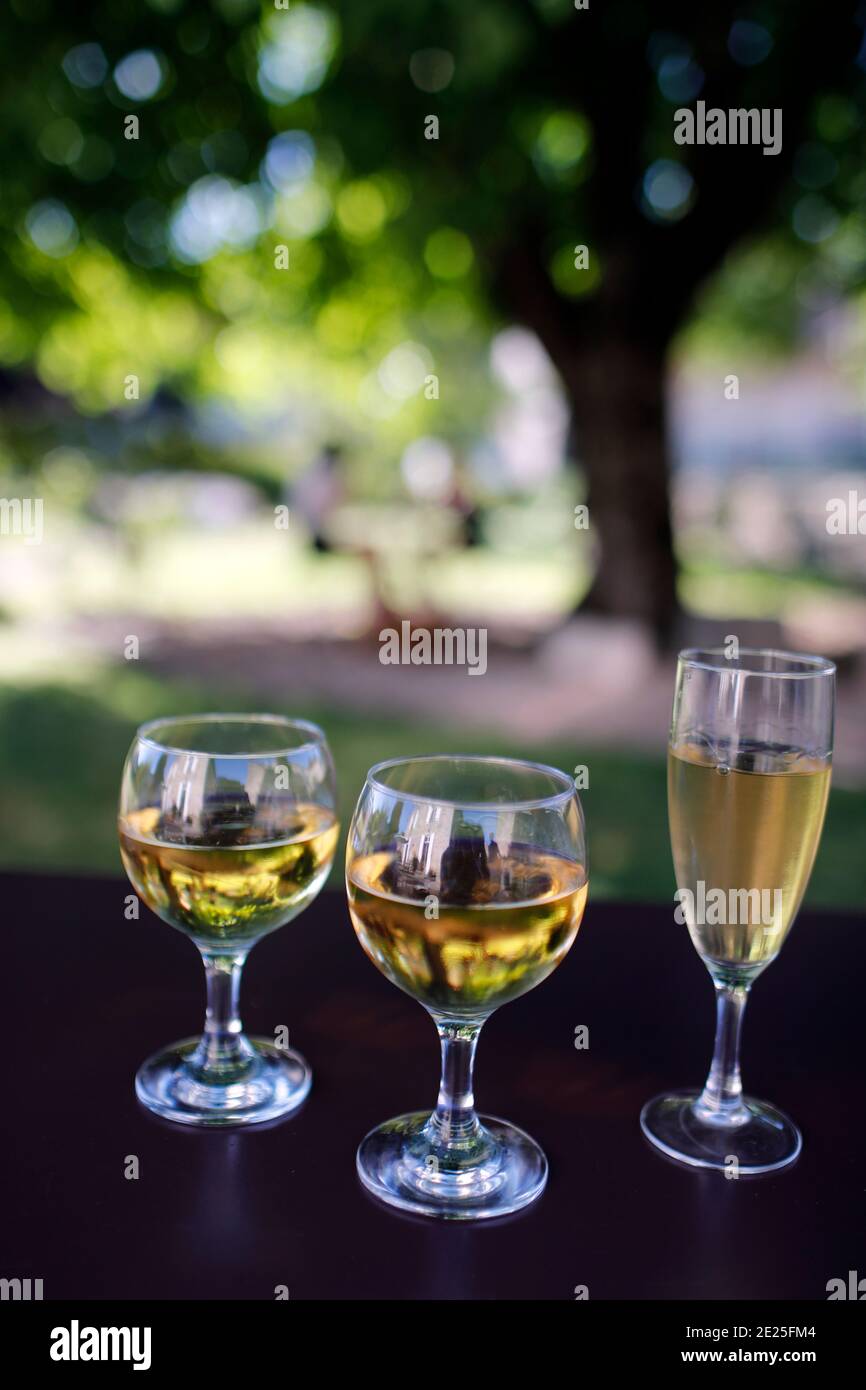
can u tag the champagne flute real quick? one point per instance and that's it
(748, 779)
(227, 831)
(466, 879)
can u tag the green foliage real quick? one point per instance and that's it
(160, 250)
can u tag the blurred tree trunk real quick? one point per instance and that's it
(611, 354)
(611, 345)
(617, 396)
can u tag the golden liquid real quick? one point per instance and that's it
(235, 890)
(742, 829)
(516, 928)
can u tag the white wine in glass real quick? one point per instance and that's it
(469, 957)
(771, 803)
(467, 882)
(227, 831)
(230, 884)
(748, 779)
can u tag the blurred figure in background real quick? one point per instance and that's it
(317, 493)
(462, 503)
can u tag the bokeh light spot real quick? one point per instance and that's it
(571, 281)
(679, 78)
(431, 69)
(51, 227)
(749, 43)
(289, 160)
(814, 219)
(294, 58)
(402, 373)
(341, 325)
(562, 141)
(361, 210)
(216, 212)
(61, 141)
(139, 75)
(303, 211)
(86, 65)
(427, 466)
(667, 190)
(448, 253)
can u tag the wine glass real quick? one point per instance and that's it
(748, 779)
(466, 879)
(227, 831)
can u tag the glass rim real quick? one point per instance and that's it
(144, 734)
(528, 804)
(813, 665)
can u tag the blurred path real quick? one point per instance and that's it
(593, 682)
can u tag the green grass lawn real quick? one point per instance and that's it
(62, 748)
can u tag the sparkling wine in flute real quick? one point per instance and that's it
(226, 886)
(747, 823)
(510, 927)
(749, 757)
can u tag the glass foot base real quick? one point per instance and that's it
(764, 1140)
(400, 1165)
(274, 1083)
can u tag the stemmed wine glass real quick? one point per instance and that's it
(227, 831)
(467, 881)
(748, 779)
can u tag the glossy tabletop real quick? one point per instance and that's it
(235, 1214)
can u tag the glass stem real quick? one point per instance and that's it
(721, 1101)
(223, 1053)
(454, 1130)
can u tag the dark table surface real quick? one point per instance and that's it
(233, 1214)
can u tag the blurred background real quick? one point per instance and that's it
(318, 317)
